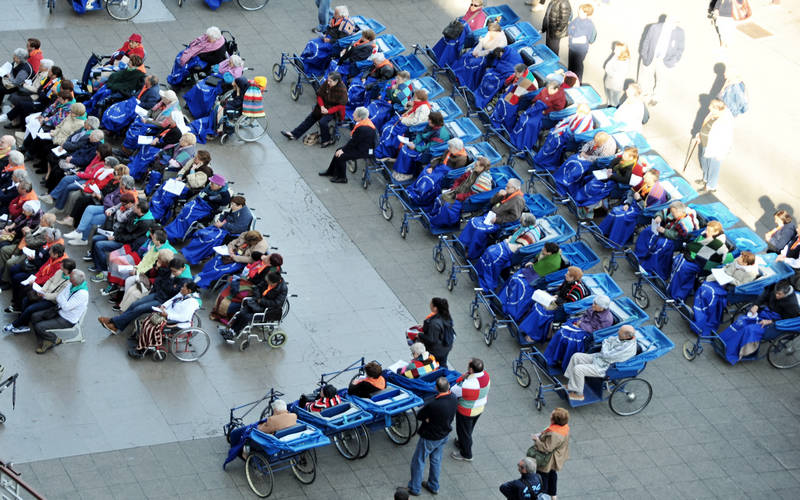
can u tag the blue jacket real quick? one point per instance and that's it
(526, 487)
(237, 222)
(150, 98)
(85, 153)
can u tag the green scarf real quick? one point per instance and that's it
(75, 288)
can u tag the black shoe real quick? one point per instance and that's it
(87, 258)
(409, 491)
(11, 309)
(427, 487)
(136, 353)
(339, 180)
(324, 174)
(116, 307)
(288, 135)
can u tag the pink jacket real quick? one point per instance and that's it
(200, 45)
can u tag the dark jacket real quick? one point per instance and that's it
(556, 18)
(76, 140)
(126, 82)
(333, 98)
(217, 199)
(677, 43)
(783, 236)
(84, 155)
(438, 336)
(165, 285)
(526, 487)
(508, 211)
(150, 97)
(362, 140)
(786, 307)
(134, 231)
(356, 53)
(436, 417)
(237, 222)
(215, 56)
(272, 302)
(365, 389)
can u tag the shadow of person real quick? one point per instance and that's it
(768, 206)
(661, 19)
(705, 99)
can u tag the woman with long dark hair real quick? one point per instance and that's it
(437, 330)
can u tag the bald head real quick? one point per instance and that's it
(626, 332)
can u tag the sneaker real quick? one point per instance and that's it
(47, 199)
(44, 347)
(112, 288)
(4, 117)
(88, 258)
(428, 487)
(72, 235)
(288, 135)
(457, 456)
(21, 329)
(116, 308)
(12, 310)
(78, 243)
(99, 277)
(8, 327)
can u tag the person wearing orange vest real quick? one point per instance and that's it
(362, 140)
(367, 386)
(472, 390)
(508, 203)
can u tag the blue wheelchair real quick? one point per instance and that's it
(264, 454)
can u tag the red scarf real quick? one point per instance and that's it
(366, 122)
(417, 104)
(270, 287)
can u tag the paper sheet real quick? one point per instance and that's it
(654, 226)
(59, 151)
(5, 69)
(32, 128)
(105, 232)
(126, 268)
(674, 194)
(145, 140)
(140, 111)
(36, 288)
(490, 217)
(403, 140)
(222, 250)
(95, 189)
(28, 252)
(601, 174)
(44, 135)
(721, 276)
(396, 366)
(174, 186)
(543, 298)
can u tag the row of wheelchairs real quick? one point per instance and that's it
(347, 425)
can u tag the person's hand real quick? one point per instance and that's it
(338, 153)
(109, 212)
(429, 170)
(154, 143)
(163, 311)
(766, 322)
(502, 192)
(657, 218)
(219, 223)
(411, 146)
(661, 230)
(625, 207)
(326, 39)
(637, 196)
(40, 118)
(780, 258)
(111, 237)
(69, 159)
(324, 110)
(609, 171)
(26, 230)
(174, 163)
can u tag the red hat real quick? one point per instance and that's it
(136, 37)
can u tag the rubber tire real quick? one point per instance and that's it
(488, 336)
(438, 261)
(277, 72)
(641, 298)
(403, 230)
(296, 92)
(277, 338)
(386, 209)
(522, 375)
(690, 350)
(451, 283)
(173, 346)
(249, 8)
(244, 345)
(790, 337)
(477, 320)
(396, 437)
(258, 469)
(352, 166)
(618, 393)
(240, 123)
(608, 267)
(109, 7)
(339, 439)
(363, 441)
(661, 323)
(158, 355)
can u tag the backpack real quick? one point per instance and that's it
(453, 30)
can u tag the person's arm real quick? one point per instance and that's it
(76, 302)
(181, 312)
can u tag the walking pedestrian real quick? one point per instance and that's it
(551, 449)
(617, 69)
(555, 23)
(528, 486)
(581, 33)
(472, 389)
(438, 334)
(716, 140)
(436, 422)
(660, 51)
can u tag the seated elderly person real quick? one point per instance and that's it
(249, 282)
(42, 299)
(455, 157)
(21, 70)
(215, 195)
(78, 151)
(330, 107)
(708, 250)
(36, 96)
(538, 323)
(71, 304)
(268, 300)
(360, 145)
(422, 362)
(26, 221)
(784, 232)
(614, 349)
(339, 26)
(326, 398)
(208, 47)
(239, 254)
(382, 70)
(507, 206)
(33, 239)
(475, 180)
(656, 243)
(602, 145)
(710, 299)
(419, 149)
(280, 419)
(132, 47)
(92, 212)
(125, 268)
(552, 95)
(176, 312)
(132, 232)
(36, 270)
(40, 148)
(10, 191)
(469, 68)
(620, 223)
(496, 259)
(573, 334)
(368, 385)
(360, 50)
(399, 92)
(91, 180)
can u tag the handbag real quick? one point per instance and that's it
(542, 458)
(156, 319)
(132, 294)
(741, 10)
(453, 30)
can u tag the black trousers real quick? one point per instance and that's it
(44, 321)
(575, 62)
(337, 166)
(549, 482)
(311, 119)
(464, 428)
(553, 42)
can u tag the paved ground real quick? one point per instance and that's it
(92, 424)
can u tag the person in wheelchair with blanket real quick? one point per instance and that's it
(507, 206)
(267, 299)
(175, 313)
(667, 232)
(573, 335)
(614, 349)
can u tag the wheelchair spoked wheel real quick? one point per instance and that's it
(661, 320)
(251, 128)
(438, 260)
(475, 313)
(521, 374)
(158, 355)
(630, 397)
(640, 296)
(352, 166)
(348, 443)
(784, 352)
(244, 345)
(609, 266)
(189, 344)
(123, 10)
(252, 4)
(265, 413)
(259, 474)
(691, 350)
(363, 441)
(276, 338)
(400, 430)
(386, 208)
(278, 72)
(296, 91)
(285, 309)
(304, 467)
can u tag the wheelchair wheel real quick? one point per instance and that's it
(296, 91)
(285, 309)
(304, 467)
(451, 283)
(251, 129)
(363, 441)
(352, 166)
(2, 418)
(123, 10)
(522, 375)
(159, 355)
(278, 72)
(252, 4)
(661, 320)
(476, 317)
(784, 352)
(438, 260)
(259, 474)
(347, 444)
(400, 430)
(403, 230)
(277, 338)
(640, 296)
(690, 350)
(609, 267)
(223, 139)
(488, 335)
(386, 208)
(189, 344)
(244, 345)
(630, 397)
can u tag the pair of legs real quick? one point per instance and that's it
(575, 60)
(43, 322)
(136, 309)
(580, 366)
(464, 427)
(324, 13)
(65, 186)
(311, 119)
(553, 42)
(711, 168)
(650, 77)
(101, 247)
(94, 215)
(336, 169)
(426, 448)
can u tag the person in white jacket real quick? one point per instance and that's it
(615, 349)
(493, 39)
(716, 140)
(71, 303)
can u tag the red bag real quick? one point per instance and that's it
(413, 333)
(741, 10)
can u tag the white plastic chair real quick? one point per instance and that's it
(77, 328)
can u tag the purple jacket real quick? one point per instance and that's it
(111, 199)
(591, 321)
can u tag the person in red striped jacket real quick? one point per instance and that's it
(326, 399)
(472, 390)
(421, 364)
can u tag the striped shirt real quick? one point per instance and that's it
(575, 123)
(472, 392)
(419, 367)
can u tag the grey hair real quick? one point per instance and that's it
(361, 113)
(278, 405)
(602, 301)
(21, 54)
(213, 32)
(52, 233)
(679, 205)
(236, 61)
(785, 288)
(514, 183)
(418, 349)
(97, 135)
(93, 122)
(78, 275)
(19, 175)
(46, 64)
(343, 10)
(111, 161)
(455, 143)
(127, 181)
(16, 158)
(527, 219)
(530, 465)
(26, 185)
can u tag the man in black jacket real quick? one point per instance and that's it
(528, 486)
(362, 140)
(268, 300)
(555, 23)
(436, 422)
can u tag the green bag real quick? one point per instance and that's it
(542, 458)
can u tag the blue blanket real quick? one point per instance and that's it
(710, 302)
(569, 174)
(119, 115)
(526, 131)
(215, 269)
(447, 50)
(427, 186)
(655, 252)
(568, 340)
(517, 296)
(196, 209)
(536, 323)
(684, 275)
(494, 260)
(200, 98)
(744, 335)
(181, 71)
(316, 56)
(549, 155)
(444, 215)
(619, 224)
(476, 235)
(202, 244)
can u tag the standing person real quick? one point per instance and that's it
(660, 50)
(553, 441)
(437, 330)
(472, 390)
(617, 69)
(721, 11)
(581, 33)
(528, 486)
(331, 100)
(555, 23)
(436, 422)
(716, 139)
(324, 14)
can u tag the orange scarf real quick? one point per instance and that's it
(516, 193)
(415, 105)
(366, 122)
(563, 430)
(383, 63)
(796, 242)
(463, 152)
(270, 287)
(11, 168)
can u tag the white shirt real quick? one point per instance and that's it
(71, 306)
(180, 309)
